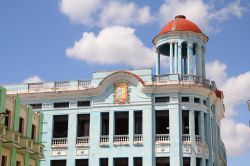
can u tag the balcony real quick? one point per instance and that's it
(181, 79)
(121, 140)
(26, 145)
(82, 141)
(186, 139)
(48, 86)
(138, 139)
(38, 151)
(12, 139)
(2, 132)
(198, 139)
(59, 143)
(104, 140)
(162, 139)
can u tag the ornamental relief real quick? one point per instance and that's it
(121, 92)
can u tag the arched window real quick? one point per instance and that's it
(165, 49)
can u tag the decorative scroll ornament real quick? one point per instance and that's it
(121, 92)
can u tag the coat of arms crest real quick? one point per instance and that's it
(121, 92)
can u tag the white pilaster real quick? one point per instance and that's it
(192, 136)
(175, 121)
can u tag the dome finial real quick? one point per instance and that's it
(180, 16)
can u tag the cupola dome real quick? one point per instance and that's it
(180, 23)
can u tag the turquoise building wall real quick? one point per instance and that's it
(142, 97)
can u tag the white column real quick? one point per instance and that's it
(158, 64)
(199, 62)
(203, 63)
(190, 59)
(111, 127)
(175, 58)
(131, 127)
(179, 58)
(171, 58)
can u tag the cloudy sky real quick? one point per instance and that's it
(71, 39)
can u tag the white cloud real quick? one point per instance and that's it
(120, 13)
(203, 14)
(236, 137)
(105, 12)
(32, 79)
(217, 70)
(80, 11)
(113, 45)
(236, 92)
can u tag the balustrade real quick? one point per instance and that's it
(82, 141)
(59, 142)
(138, 139)
(104, 140)
(162, 138)
(186, 138)
(183, 78)
(63, 84)
(198, 139)
(84, 83)
(121, 139)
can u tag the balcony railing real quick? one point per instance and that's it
(63, 84)
(162, 139)
(26, 143)
(35, 86)
(59, 142)
(104, 140)
(84, 83)
(2, 132)
(82, 141)
(186, 138)
(121, 139)
(198, 139)
(138, 139)
(181, 78)
(12, 139)
(56, 86)
(38, 151)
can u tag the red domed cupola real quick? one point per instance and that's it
(180, 23)
(184, 43)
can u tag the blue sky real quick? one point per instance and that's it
(38, 42)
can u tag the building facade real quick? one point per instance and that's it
(20, 132)
(135, 117)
